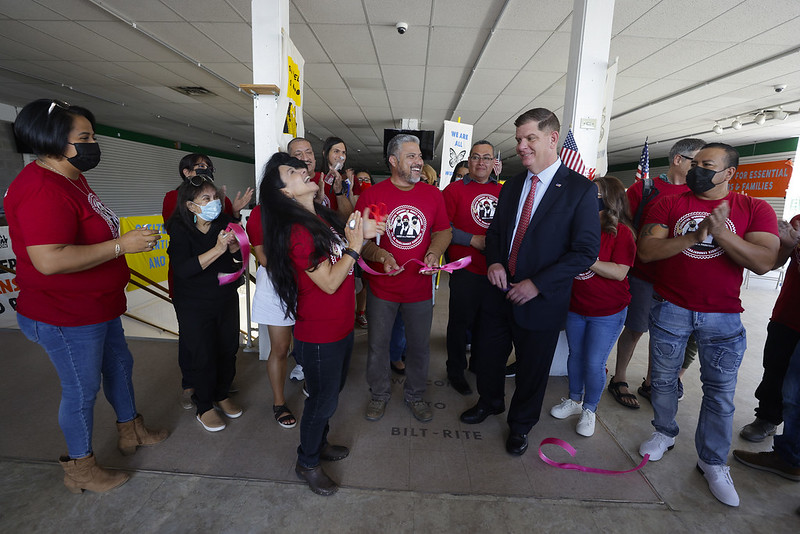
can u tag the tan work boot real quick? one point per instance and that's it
(134, 434)
(85, 474)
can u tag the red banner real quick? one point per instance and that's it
(767, 179)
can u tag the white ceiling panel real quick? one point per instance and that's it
(228, 36)
(338, 12)
(143, 11)
(389, 12)
(535, 15)
(490, 80)
(72, 9)
(631, 49)
(475, 102)
(784, 34)
(456, 47)
(372, 98)
(135, 41)
(347, 43)
(359, 70)
(204, 10)
(404, 78)
(445, 79)
(323, 75)
(626, 12)
(395, 49)
(438, 100)
(307, 43)
(406, 99)
(512, 49)
(336, 97)
(465, 13)
(673, 19)
(183, 36)
(552, 56)
(528, 83)
(28, 11)
(676, 56)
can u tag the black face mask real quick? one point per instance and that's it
(88, 156)
(699, 179)
(600, 204)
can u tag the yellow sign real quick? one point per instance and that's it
(294, 81)
(151, 264)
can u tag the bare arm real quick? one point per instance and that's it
(258, 250)
(610, 270)
(757, 251)
(64, 259)
(655, 244)
(790, 238)
(329, 276)
(439, 243)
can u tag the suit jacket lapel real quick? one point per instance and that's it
(516, 184)
(554, 190)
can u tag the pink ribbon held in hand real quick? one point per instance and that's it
(567, 447)
(244, 247)
(449, 267)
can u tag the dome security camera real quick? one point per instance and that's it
(401, 27)
(780, 88)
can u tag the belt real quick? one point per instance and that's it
(658, 298)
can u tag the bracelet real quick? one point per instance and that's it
(352, 253)
(117, 249)
(340, 193)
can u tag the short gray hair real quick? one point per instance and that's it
(393, 148)
(690, 144)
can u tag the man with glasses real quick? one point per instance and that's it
(642, 276)
(470, 204)
(704, 239)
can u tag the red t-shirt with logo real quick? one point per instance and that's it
(787, 307)
(45, 208)
(321, 318)
(703, 278)
(412, 216)
(470, 208)
(596, 296)
(648, 271)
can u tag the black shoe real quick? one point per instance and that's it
(333, 453)
(517, 444)
(511, 370)
(477, 414)
(317, 480)
(460, 384)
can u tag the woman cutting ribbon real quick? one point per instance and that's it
(200, 249)
(311, 255)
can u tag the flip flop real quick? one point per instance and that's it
(613, 388)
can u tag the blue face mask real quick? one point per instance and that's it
(210, 211)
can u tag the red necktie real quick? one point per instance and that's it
(522, 227)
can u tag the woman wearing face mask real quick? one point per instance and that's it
(598, 307)
(200, 247)
(72, 276)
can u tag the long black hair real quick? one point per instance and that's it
(187, 193)
(326, 149)
(279, 214)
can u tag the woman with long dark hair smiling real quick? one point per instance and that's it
(311, 254)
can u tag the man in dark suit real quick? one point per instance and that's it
(545, 232)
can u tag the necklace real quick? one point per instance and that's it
(70, 180)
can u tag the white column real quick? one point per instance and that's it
(270, 20)
(586, 74)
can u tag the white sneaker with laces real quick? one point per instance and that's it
(586, 423)
(719, 482)
(566, 408)
(656, 446)
(297, 373)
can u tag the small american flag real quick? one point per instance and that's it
(571, 157)
(643, 170)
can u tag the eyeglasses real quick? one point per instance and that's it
(57, 104)
(198, 179)
(690, 158)
(485, 159)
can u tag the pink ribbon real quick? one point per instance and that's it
(244, 246)
(449, 267)
(567, 447)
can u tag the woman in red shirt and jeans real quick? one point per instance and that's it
(598, 307)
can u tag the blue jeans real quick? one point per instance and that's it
(82, 355)
(325, 366)
(721, 341)
(787, 444)
(590, 342)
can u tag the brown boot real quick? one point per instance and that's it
(133, 434)
(85, 474)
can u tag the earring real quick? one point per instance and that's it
(195, 218)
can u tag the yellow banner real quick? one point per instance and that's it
(151, 264)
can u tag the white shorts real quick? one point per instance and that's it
(268, 308)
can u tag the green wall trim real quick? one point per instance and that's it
(146, 139)
(755, 149)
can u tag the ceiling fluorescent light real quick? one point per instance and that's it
(717, 129)
(760, 118)
(736, 124)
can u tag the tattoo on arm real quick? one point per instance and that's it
(648, 229)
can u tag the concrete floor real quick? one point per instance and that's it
(32, 498)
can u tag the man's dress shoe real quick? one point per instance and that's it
(477, 414)
(517, 444)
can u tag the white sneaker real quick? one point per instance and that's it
(719, 482)
(566, 408)
(297, 373)
(656, 446)
(586, 424)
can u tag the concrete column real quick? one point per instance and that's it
(270, 19)
(586, 74)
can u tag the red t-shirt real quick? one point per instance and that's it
(470, 208)
(45, 208)
(412, 216)
(596, 296)
(787, 307)
(321, 318)
(255, 232)
(703, 278)
(329, 199)
(648, 271)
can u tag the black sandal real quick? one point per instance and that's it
(613, 388)
(284, 416)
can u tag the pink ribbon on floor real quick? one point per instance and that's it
(449, 267)
(244, 246)
(571, 450)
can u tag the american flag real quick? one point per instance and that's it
(571, 157)
(643, 170)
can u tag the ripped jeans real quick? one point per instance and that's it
(721, 341)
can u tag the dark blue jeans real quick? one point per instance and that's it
(788, 444)
(325, 366)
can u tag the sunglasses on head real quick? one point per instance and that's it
(198, 179)
(57, 104)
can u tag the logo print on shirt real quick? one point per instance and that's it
(337, 249)
(109, 216)
(482, 208)
(585, 275)
(406, 225)
(709, 248)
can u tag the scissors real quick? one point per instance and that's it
(378, 211)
